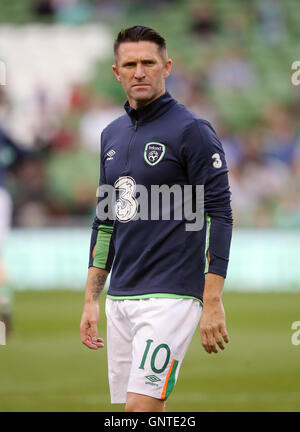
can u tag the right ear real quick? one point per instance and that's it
(115, 71)
(167, 68)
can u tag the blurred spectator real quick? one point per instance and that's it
(236, 23)
(31, 201)
(280, 140)
(107, 10)
(44, 8)
(200, 104)
(10, 155)
(271, 20)
(232, 71)
(63, 139)
(204, 20)
(94, 120)
(179, 83)
(232, 146)
(72, 11)
(80, 97)
(45, 122)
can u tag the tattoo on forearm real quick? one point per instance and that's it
(97, 285)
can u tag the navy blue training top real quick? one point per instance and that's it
(162, 143)
(10, 152)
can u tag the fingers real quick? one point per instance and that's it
(218, 338)
(224, 334)
(93, 331)
(212, 335)
(89, 335)
(93, 344)
(208, 342)
(211, 340)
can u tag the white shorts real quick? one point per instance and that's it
(146, 343)
(5, 214)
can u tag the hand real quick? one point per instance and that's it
(213, 327)
(88, 326)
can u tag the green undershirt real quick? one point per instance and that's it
(157, 295)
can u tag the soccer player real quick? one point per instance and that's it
(164, 277)
(9, 153)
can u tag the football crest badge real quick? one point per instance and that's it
(154, 152)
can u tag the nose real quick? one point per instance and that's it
(139, 72)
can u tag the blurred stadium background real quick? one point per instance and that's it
(232, 65)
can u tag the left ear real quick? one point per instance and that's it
(167, 68)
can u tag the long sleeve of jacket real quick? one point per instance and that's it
(102, 230)
(206, 165)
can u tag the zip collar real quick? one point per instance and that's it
(149, 112)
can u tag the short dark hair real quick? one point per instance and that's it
(140, 33)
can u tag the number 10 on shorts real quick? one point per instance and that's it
(154, 354)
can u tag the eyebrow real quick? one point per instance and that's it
(133, 62)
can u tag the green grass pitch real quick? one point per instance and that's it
(44, 366)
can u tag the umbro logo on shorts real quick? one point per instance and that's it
(152, 378)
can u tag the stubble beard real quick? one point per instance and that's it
(145, 99)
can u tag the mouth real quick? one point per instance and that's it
(141, 85)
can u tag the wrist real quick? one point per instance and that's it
(213, 289)
(212, 299)
(91, 301)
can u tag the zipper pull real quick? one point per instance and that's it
(135, 125)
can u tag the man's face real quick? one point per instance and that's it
(142, 71)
